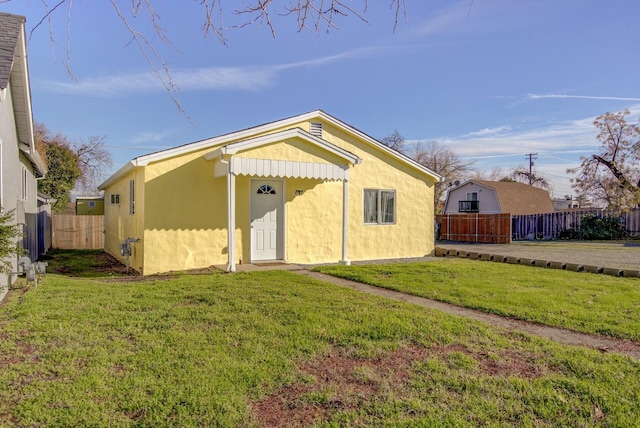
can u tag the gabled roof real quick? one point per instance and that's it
(233, 148)
(261, 129)
(14, 72)
(518, 198)
(10, 28)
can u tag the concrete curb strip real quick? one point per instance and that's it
(573, 267)
(630, 273)
(540, 263)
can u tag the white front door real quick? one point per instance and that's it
(267, 220)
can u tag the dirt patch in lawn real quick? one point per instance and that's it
(341, 381)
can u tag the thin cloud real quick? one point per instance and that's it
(249, 79)
(214, 78)
(582, 97)
(488, 131)
(575, 136)
(150, 137)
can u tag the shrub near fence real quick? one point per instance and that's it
(556, 225)
(78, 232)
(504, 228)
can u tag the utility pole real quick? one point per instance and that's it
(531, 157)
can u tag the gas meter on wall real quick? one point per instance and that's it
(125, 249)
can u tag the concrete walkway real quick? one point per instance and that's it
(563, 336)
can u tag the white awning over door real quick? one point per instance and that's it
(280, 169)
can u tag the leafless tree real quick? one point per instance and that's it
(530, 176)
(394, 141)
(612, 177)
(442, 161)
(94, 161)
(494, 174)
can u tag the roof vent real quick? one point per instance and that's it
(316, 129)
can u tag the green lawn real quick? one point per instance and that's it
(598, 304)
(278, 348)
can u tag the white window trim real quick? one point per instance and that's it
(470, 196)
(132, 197)
(24, 184)
(379, 213)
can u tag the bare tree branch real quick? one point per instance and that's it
(313, 15)
(150, 53)
(612, 177)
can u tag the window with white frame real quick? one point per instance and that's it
(25, 184)
(472, 196)
(379, 206)
(132, 197)
(115, 198)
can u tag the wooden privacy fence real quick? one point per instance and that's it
(78, 232)
(552, 225)
(486, 228)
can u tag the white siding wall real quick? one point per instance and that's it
(487, 199)
(10, 168)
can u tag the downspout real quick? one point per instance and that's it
(38, 237)
(345, 217)
(231, 217)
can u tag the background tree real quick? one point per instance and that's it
(444, 162)
(71, 165)
(529, 176)
(612, 177)
(494, 174)
(63, 172)
(93, 161)
(394, 141)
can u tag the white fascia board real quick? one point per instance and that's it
(260, 129)
(476, 183)
(215, 141)
(24, 77)
(119, 173)
(234, 148)
(406, 159)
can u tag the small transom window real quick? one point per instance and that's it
(266, 189)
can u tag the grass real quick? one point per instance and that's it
(276, 348)
(597, 304)
(83, 263)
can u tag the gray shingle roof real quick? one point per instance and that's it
(10, 26)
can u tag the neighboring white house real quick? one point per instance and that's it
(495, 197)
(20, 164)
(565, 203)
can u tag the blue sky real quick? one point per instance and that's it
(492, 80)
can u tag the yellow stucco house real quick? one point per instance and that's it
(306, 189)
(89, 205)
